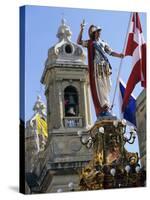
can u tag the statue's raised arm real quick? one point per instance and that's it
(79, 39)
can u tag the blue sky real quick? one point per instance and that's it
(41, 28)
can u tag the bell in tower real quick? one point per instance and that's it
(71, 101)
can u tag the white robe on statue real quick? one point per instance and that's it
(102, 74)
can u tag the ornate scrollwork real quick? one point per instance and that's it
(112, 165)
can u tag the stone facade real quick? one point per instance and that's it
(68, 110)
(141, 125)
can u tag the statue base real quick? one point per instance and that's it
(111, 165)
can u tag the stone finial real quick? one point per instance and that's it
(64, 31)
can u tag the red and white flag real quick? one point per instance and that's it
(135, 47)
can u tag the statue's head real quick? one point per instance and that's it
(92, 30)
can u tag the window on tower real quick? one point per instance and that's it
(71, 102)
(68, 49)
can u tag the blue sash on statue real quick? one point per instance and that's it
(102, 53)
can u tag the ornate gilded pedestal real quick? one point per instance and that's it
(112, 165)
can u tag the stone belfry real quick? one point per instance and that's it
(68, 110)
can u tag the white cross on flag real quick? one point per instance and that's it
(135, 47)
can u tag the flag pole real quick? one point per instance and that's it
(120, 65)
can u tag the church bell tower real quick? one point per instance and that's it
(68, 109)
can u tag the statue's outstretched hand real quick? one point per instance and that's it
(121, 55)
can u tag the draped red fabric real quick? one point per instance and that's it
(97, 106)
